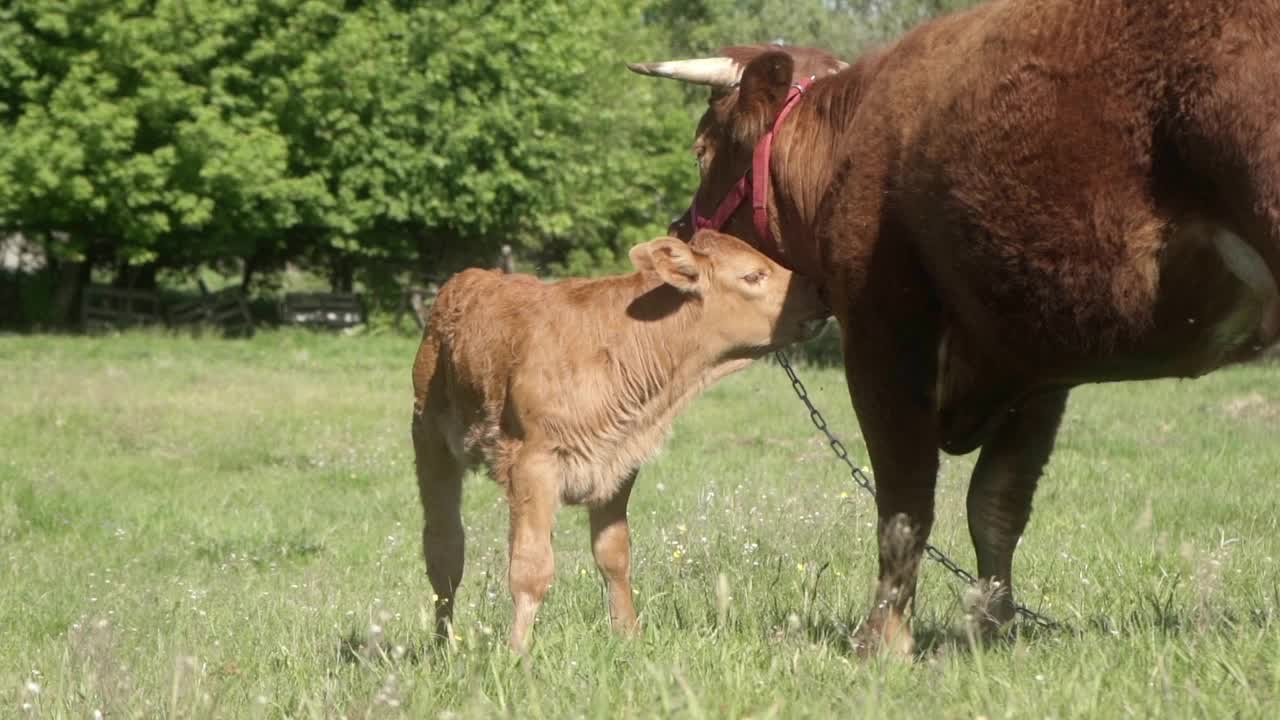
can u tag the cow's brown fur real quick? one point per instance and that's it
(1010, 201)
(564, 389)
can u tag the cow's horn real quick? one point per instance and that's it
(713, 71)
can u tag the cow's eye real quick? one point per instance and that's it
(755, 278)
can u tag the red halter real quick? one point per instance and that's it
(755, 181)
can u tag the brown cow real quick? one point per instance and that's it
(1003, 204)
(564, 389)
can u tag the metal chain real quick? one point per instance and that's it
(865, 483)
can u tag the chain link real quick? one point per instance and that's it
(863, 481)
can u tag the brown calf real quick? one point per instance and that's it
(564, 389)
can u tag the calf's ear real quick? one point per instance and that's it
(674, 262)
(640, 257)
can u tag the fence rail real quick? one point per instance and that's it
(227, 309)
(329, 310)
(416, 301)
(104, 307)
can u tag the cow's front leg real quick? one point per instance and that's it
(890, 369)
(1000, 492)
(904, 504)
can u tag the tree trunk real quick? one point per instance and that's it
(72, 279)
(246, 276)
(145, 279)
(342, 276)
(431, 246)
(506, 260)
(135, 277)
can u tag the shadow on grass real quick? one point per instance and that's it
(932, 638)
(375, 648)
(936, 638)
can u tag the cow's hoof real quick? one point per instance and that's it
(990, 612)
(890, 638)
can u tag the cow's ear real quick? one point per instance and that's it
(676, 264)
(763, 90)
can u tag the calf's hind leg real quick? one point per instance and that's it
(611, 545)
(443, 539)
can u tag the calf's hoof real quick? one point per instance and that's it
(626, 629)
(519, 644)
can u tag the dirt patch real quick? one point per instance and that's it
(1254, 406)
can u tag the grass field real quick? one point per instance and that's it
(207, 528)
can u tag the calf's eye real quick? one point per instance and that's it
(755, 278)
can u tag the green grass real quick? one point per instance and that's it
(207, 528)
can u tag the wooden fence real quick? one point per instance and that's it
(416, 302)
(103, 307)
(227, 309)
(334, 311)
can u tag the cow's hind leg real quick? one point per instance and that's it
(443, 539)
(611, 545)
(533, 492)
(1000, 493)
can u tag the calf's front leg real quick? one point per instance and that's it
(533, 494)
(611, 545)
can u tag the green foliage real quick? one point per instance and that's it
(351, 135)
(536, 139)
(137, 132)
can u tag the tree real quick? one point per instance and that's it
(533, 135)
(176, 132)
(365, 136)
(127, 136)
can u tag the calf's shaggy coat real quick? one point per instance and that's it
(564, 389)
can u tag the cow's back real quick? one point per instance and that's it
(1026, 135)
